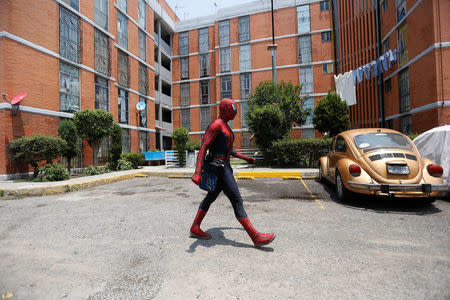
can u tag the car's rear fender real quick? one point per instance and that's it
(323, 161)
(343, 168)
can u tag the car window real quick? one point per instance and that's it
(341, 146)
(382, 139)
(332, 145)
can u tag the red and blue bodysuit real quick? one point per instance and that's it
(219, 139)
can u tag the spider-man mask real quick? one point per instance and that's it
(227, 109)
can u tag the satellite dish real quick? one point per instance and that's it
(140, 106)
(18, 98)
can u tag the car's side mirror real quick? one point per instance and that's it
(325, 150)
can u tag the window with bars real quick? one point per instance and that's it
(224, 33)
(69, 35)
(103, 151)
(244, 28)
(184, 43)
(186, 118)
(306, 80)
(101, 49)
(246, 85)
(308, 103)
(245, 58)
(142, 15)
(246, 140)
(304, 49)
(324, 5)
(244, 109)
(123, 72)
(101, 93)
(184, 95)
(204, 92)
(142, 45)
(143, 113)
(101, 13)
(400, 7)
(205, 117)
(204, 65)
(308, 133)
(303, 20)
(225, 60)
(406, 124)
(143, 141)
(203, 39)
(326, 36)
(225, 86)
(125, 140)
(143, 79)
(402, 44)
(123, 5)
(123, 106)
(122, 30)
(403, 91)
(69, 88)
(184, 67)
(75, 4)
(327, 68)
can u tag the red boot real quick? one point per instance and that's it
(259, 239)
(195, 231)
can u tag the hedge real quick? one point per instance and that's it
(136, 159)
(298, 153)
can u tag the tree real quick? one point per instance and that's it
(93, 125)
(180, 137)
(34, 149)
(331, 114)
(272, 111)
(68, 132)
(116, 145)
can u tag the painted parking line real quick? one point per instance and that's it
(312, 195)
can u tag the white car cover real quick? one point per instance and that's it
(434, 144)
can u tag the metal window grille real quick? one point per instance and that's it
(245, 59)
(69, 35)
(123, 68)
(101, 13)
(406, 124)
(303, 19)
(308, 133)
(244, 28)
(308, 103)
(403, 87)
(324, 5)
(125, 140)
(69, 88)
(103, 151)
(205, 117)
(327, 68)
(143, 79)
(402, 45)
(123, 5)
(184, 43)
(400, 7)
(204, 91)
(142, 14)
(203, 39)
(304, 45)
(123, 106)
(326, 36)
(306, 80)
(184, 94)
(143, 141)
(225, 86)
(244, 109)
(246, 85)
(101, 49)
(204, 65)
(142, 45)
(143, 113)
(75, 4)
(122, 30)
(184, 67)
(225, 60)
(186, 118)
(246, 141)
(101, 93)
(224, 33)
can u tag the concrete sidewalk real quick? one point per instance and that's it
(17, 189)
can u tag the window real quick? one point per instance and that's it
(388, 85)
(156, 56)
(406, 124)
(184, 95)
(386, 45)
(246, 85)
(75, 4)
(327, 68)
(244, 109)
(125, 140)
(306, 79)
(143, 141)
(304, 52)
(184, 43)
(244, 29)
(142, 14)
(122, 30)
(123, 5)
(143, 113)
(400, 6)
(225, 60)
(101, 13)
(123, 68)
(205, 117)
(103, 150)
(245, 60)
(403, 90)
(402, 45)
(204, 65)
(101, 56)
(184, 67)
(156, 82)
(326, 36)
(308, 133)
(308, 103)
(341, 146)
(203, 39)
(186, 118)
(101, 93)
(123, 106)
(225, 86)
(224, 33)
(384, 5)
(143, 79)
(303, 22)
(204, 91)
(156, 112)
(166, 115)
(324, 5)
(166, 88)
(69, 35)
(165, 62)
(69, 88)
(142, 45)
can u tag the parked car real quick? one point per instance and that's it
(379, 161)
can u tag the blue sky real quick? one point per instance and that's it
(188, 9)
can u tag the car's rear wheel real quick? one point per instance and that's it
(341, 192)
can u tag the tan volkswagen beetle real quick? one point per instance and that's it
(379, 161)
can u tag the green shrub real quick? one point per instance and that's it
(54, 172)
(92, 170)
(136, 159)
(68, 132)
(298, 153)
(116, 145)
(123, 164)
(331, 114)
(412, 136)
(193, 145)
(180, 137)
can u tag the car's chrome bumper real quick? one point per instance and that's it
(386, 188)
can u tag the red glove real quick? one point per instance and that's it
(251, 160)
(196, 178)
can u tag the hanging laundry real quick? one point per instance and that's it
(385, 61)
(393, 56)
(345, 87)
(366, 70)
(380, 65)
(359, 73)
(354, 74)
(373, 65)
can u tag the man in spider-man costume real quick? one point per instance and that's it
(219, 140)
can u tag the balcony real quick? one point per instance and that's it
(163, 45)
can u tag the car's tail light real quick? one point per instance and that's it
(354, 170)
(435, 170)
